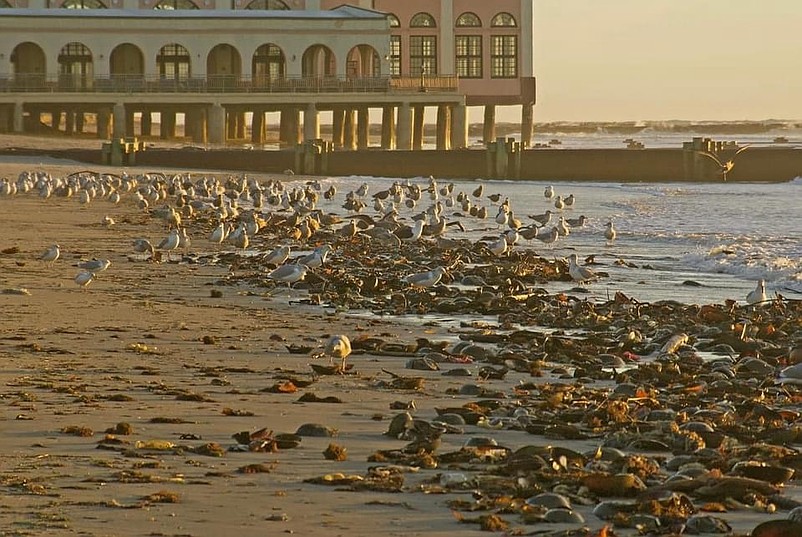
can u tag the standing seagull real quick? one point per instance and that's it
(84, 278)
(426, 279)
(51, 254)
(289, 274)
(757, 296)
(338, 346)
(577, 273)
(609, 232)
(548, 193)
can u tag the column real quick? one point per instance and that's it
(349, 128)
(55, 119)
(459, 127)
(489, 131)
(5, 119)
(217, 124)
(258, 127)
(417, 127)
(231, 125)
(311, 122)
(388, 127)
(146, 125)
(18, 118)
(443, 142)
(118, 121)
(129, 124)
(79, 122)
(404, 127)
(199, 126)
(240, 121)
(527, 122)
(338, 127)
(103, 123)
(363, 129)
(167, 126)
(69, 128)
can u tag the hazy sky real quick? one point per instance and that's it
(619, 60)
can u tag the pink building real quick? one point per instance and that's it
(216, 62)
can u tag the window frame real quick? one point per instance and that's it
(503, 63)
(473, 60)
(421, 63)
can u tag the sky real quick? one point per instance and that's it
(631, 60)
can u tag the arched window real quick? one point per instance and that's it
(173, 62)
(503, 19)
(4, 3)
(83, 4)
(469, 20)
(267, 4)
(422, 20)
(175, 4)
(394, 22)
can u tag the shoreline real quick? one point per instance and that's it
(147, 344)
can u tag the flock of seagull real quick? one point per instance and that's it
(240, 207)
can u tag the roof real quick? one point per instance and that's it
(341, 12)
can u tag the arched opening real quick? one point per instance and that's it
(173, 62)
(84, 4)
(394, 22)
(318, 61)
(127, 68)
(28, 60)
(4, 3)
(223, 67)
(76, 70)
(268, 65)
(422, 20)
(504, 20)
(267, 4)
(468, 20)
(176, 4)
(362, 61)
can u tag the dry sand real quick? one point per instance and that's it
(123, 349)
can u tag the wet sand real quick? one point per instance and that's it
(146, 344)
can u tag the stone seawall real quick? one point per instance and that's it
(771, 164)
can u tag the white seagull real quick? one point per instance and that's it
(609, 232)
(84, 278)
(578, 273)
(51, 254)
(426, 279)
(289, 274)
(338, 346)
(548, 193)
(757, 296)
(95, 265)
(317, 257)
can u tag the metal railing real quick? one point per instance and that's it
(38, 83)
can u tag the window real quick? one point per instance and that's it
(268, 63)
(422, 20)
(83, 4)
(504, 56)
(468, 20)
(175, 4)
(422, 55)
(503, 20)
(394, 22)
(267, 4)
(173, 62)
(4, 3)
(395, 55)
(469, 56)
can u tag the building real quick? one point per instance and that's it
(214, 61)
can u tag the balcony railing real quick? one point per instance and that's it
(37, 83)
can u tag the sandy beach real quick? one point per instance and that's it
(122, 400)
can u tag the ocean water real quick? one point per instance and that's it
(695, 243)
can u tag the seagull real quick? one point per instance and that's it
(559, 204)
(411, 234)
(724, 167)
(577, 273)
(338, 346)
(569, 201)
(51, 254)
(317, 257)
(499, 247)
(142, 246)
(219, 233)
(84, 278)
(277, 256)
(790, 375)
(170, 242)
(549, 192)
(478, 191)
(289, 273)
(548, 237)
(576, 222)
(562, 228)
(541, 219)
(94, 266)
(609, 232)
(757, 296)
(426, 279)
